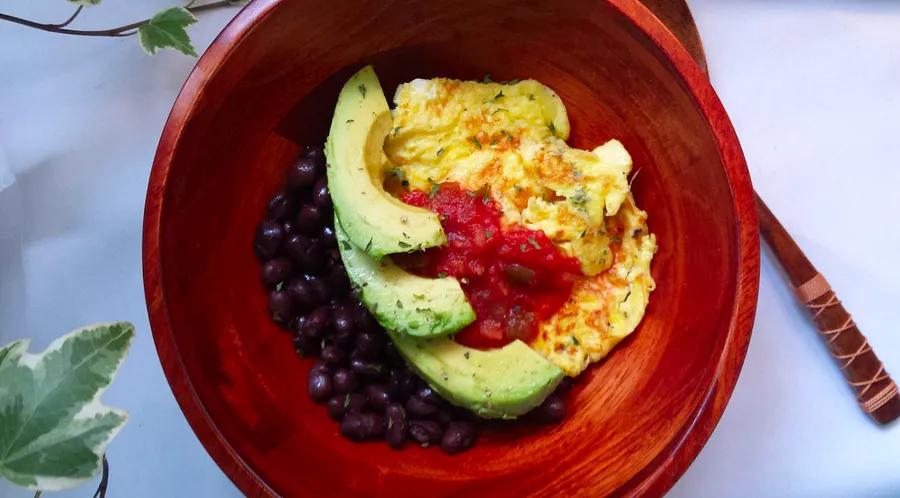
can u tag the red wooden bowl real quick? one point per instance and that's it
(269, 83)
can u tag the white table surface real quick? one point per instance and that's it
(813, 89)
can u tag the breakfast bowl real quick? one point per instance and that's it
(268, 85)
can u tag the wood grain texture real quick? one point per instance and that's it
(269, 82)
(875, 390)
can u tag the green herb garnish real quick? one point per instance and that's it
(440, 151)
(362, 90)
(474, 141)
(552, 128)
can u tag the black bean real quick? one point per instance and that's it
(428, 395)
(302, 174)
(420, 408)
(296, 247)
(268, 239)
(444, 416)
(378, 396)
(353, 426)
(318, 322)
(313, 260)
(373, 424)
(320, 194)
(396, 425)
(552, 410)
(356, 402)
(344, 380)
(306, 346)
(344, 339)
(328, 238)
(458, 436)
(565, 385)
(369, 345)
(425, 432)
(317, 155)
(309, 219)
(337, 278)
(332, 354)
(281, 306)
(321, 366)
(333, 256)
(276, 271)
(303, 294)
(282, 206)
(320, 387)
(337, 406)
(401, 384)
(343, 319)
(364, 319)
(367, 368)
(392, 355)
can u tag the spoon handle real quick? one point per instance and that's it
(875, 390)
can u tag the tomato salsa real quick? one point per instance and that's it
(514, 278)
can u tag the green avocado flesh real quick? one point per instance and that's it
(374, 220)
(417, 312)
(497, 383)
(409, 304)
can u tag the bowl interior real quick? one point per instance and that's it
(268, 86)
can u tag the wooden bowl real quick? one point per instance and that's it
(268, 84)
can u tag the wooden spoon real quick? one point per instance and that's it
(876, 392)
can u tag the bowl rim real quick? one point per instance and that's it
(660, 474)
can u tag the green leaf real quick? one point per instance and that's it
(86, 3)
(53, 427)
(167, 30)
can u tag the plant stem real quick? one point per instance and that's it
(104, 480)
(126, 30)
(37, 494)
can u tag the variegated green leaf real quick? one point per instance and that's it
(167, 29)
(53, 427)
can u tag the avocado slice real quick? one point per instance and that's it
(411, 305)
(497, 383)
(374, 220)
(417, 311)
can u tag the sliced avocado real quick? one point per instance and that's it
(374, 220)
(401, 301)
(497, 383)
(416, 311)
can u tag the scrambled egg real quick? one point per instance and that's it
(510, 138)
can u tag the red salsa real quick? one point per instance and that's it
(513, 278)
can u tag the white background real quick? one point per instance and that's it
(813, 89)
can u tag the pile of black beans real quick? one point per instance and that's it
(365, 384)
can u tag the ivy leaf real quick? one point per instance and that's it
(53, 427)
(167, 30)
(86, 3)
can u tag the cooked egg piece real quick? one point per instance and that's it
(510, 138)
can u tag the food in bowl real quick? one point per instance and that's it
(488, 259)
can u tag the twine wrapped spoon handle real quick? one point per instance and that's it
(876, 392)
